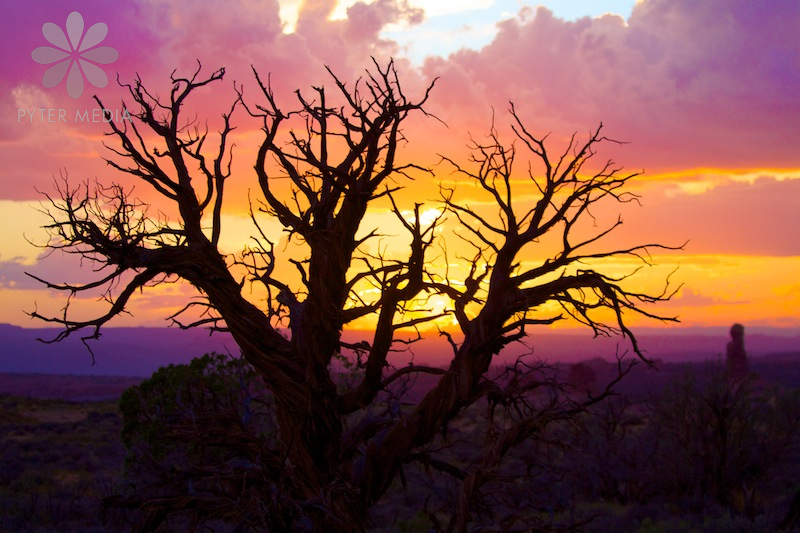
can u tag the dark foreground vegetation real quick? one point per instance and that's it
(691, 451)
(59, 459)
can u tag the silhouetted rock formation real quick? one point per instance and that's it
(736, 355)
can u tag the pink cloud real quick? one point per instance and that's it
(155, 38)
(689, 85)
(692, 85)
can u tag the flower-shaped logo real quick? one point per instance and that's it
(78, 55)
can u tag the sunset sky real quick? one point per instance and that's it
(706, 95)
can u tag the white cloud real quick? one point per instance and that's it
(288, 12)
(447, 7)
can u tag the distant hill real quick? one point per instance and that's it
(119, 352)
(141, 351)
(125, 356)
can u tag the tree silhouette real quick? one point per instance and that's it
(340, 152)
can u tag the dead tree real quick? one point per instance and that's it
(339, 151)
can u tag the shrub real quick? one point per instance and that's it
(195, 432)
